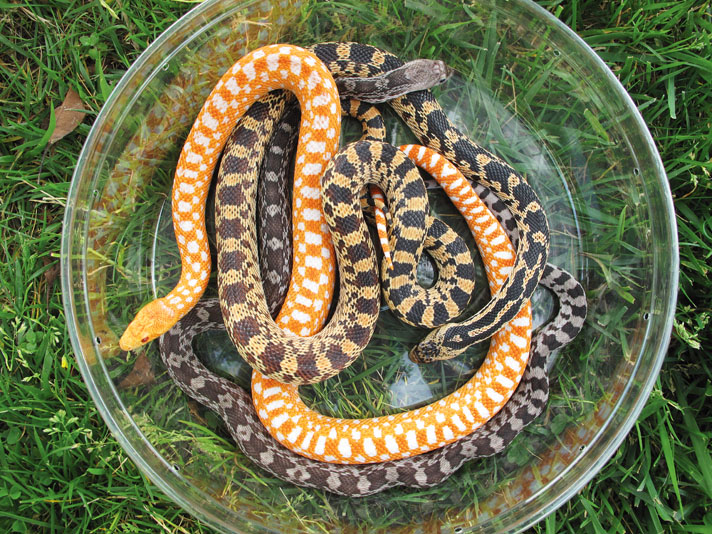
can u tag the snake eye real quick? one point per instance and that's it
(144, 340)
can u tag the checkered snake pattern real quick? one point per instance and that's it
(234, 405)
(239, 280)
(389, 437)
(442, 302)
(254, 75)
(385, 166)
(421, 470)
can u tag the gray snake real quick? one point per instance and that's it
(234, 406)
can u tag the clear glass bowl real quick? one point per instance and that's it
(530, 90)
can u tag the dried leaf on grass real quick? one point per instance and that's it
(196, 411)
(50, 276)
(140, 375)
(67, 116)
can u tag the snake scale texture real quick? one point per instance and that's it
(253, 76)
(234, 405)
(422, 113)
(381, 164)
(273, 196)
(427, 469)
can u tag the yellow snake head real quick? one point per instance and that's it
(433, 348)
(153, 320)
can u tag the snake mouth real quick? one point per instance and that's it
(426, 352)
(449, 71)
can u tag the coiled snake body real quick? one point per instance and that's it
(423, 115)
(428, 469)
(421, 112)
(234, 405)
(443, 301)
(360, 161)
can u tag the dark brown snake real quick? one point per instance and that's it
(234, 405)
(421, 112)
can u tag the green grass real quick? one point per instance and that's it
(60, 468)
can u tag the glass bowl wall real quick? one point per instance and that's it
(528, 89)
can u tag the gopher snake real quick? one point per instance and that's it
(254, 334)
(259, 339)
(234, 405)
(368, 479)
(421, 112)
(261, 118)
(402, 435)
(287, 66)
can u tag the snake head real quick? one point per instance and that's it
(153, 320)
(426, 73)
(425, 352)
(433, 348)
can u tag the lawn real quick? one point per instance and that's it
(61, 469)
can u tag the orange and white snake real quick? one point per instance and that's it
(263, 70)
(391, 437)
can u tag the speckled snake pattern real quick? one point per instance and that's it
(273, 194)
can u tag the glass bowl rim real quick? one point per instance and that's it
(168, 481)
